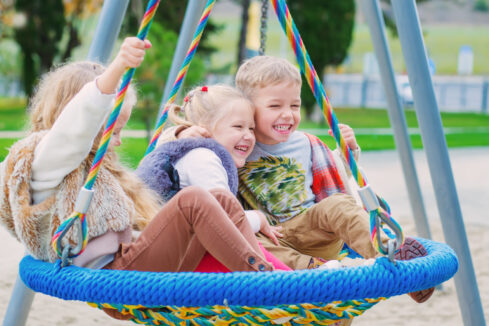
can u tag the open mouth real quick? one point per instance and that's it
(242, 149)
(283, 128)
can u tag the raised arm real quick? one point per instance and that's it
(70, 139)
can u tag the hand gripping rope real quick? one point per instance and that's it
(86, 193)
(378, 215)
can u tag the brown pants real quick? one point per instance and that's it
(191, 223)
(321, 231)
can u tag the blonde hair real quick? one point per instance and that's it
(204, 106)
(262, 71)
(55, 89)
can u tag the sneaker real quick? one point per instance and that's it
(412, 248)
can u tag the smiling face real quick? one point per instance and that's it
(234, 130)
(277, 112)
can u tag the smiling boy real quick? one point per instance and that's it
(294, 178)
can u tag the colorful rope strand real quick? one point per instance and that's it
(296, 314)
(104, 142)
(307, 68)
(314, 82)
(181, 75)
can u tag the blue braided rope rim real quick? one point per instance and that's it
(382, 279)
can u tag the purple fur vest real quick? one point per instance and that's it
(158, 172)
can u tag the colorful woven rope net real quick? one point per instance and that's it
(238, 298)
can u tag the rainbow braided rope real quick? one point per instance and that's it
(181, 75)
(104, 142)
(307, 68)
(294, 314)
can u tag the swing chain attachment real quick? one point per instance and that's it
(372, 205)
(67, 251)
(81, 207)
(263, 27)
(392, 245)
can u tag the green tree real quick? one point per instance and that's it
(170, 15)
(39, 37)
(49, 33)
(326, 29)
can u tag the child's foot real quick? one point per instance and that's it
(412, 248)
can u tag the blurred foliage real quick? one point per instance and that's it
(46, 31)
(151, 75)
(481, 5)
(170, 15)
(10, 61)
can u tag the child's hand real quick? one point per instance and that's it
(348, 134)
(270, 231)
(130, 55)
(194, 132)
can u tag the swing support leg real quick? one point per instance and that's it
(376, 25)
(189, 25)
(107, 30)
(429, 120)
(19, 304)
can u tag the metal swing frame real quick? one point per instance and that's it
(414, 52)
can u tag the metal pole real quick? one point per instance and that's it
(376, 24)
(429, 120)
(190, 21)
(19, 304)
(106, 32)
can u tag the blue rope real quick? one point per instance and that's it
(383, 279)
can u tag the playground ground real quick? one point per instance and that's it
(385, 175)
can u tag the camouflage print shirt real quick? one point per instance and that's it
(277, 178)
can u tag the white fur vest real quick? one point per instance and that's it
(34, 225)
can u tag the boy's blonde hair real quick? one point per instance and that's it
(262, 71)
(55, 89)
(204, 106)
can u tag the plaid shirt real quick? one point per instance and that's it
(326, 180)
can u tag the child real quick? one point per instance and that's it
(225, 115)
(293, 177)
(42, 174)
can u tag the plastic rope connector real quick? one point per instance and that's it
(369, 199)
(83, 200)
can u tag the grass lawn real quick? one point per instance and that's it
(12, 113)
(4, 146)
(378, 118)
(13, 117)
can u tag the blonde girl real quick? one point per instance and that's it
(223, 114)
(42, 174)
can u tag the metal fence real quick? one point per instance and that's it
(453, 93)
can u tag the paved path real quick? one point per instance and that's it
(384, 172)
